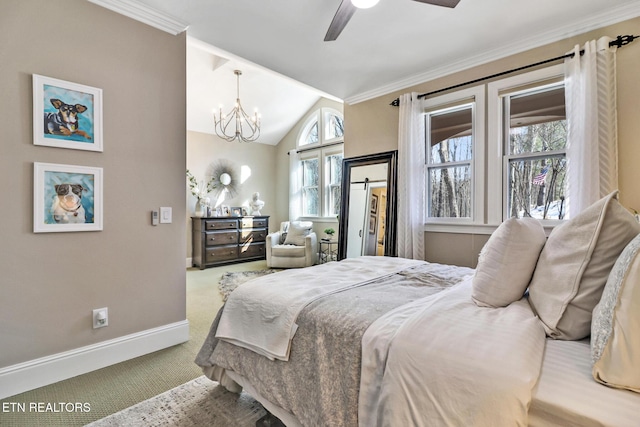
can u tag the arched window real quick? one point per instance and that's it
(320, 151)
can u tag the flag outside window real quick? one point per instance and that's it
(539, 179)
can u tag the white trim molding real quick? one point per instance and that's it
(145, 14)
(47, 370)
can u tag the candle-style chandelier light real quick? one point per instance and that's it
(237, 124)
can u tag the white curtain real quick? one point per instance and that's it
(590, 92)
(295, 182)
(411, 177)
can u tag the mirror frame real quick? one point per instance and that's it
(390, 236)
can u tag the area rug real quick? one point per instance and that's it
(200, 402)
(231, 280)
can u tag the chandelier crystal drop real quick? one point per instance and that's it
(237, 124)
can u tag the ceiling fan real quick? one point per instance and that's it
(348, 7)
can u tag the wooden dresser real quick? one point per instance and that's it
(227, 240)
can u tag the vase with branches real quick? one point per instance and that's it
(200, 191)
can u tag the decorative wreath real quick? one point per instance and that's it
(224, 178)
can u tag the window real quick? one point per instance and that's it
(310, 187)
(333, 167)
(527, 176)
(321, 153)
(454, 157)
(536, 153)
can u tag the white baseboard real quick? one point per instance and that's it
(47, 370)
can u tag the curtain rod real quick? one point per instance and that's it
(315, 147)
(619, 42)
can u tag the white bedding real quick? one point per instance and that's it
(262, 317)
(567, 395)
(430, 362)
(443, 361)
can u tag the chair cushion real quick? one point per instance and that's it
(287, 251)
(297, 232)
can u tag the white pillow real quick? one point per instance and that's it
(574, 266)
(296, 233)
(615, 329)
(507, 262)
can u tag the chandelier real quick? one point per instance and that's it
(237, 124)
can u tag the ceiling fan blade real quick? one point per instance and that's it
(445, 3)
(343, 15)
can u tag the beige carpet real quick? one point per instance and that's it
(200, 402)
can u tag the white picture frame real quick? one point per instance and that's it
(66, 114)
(67, 198)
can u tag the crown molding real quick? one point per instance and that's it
(143, 13)
(609, 17)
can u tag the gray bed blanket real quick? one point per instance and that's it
(319, 384)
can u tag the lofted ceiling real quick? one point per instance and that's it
(391, 46)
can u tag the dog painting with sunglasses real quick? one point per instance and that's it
(67, 204)
(65, 120)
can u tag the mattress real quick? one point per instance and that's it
(567, 395)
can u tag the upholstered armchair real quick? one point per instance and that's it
(294, 245)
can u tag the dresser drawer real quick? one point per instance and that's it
(221, 253)
(221, 238)
(252, 250)
(252, 235)
(253, 223)
(226, 224)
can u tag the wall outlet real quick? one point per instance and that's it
(100, 317)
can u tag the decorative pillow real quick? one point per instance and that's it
(296, 233)
(615, 330)
(507, 262)
(574, 265)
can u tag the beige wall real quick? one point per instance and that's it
(257, 160)
(372, 126)
(282, 169)
(51, 282)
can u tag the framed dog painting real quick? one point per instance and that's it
(66, 198)
(66, 114)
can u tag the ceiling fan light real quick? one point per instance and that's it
(364, 4)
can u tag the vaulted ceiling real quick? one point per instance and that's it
(393, 45)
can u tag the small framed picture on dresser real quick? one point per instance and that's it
(236, 211)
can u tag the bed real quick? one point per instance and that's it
(390, 341)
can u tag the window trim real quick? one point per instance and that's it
(474, 96)
(497, 153)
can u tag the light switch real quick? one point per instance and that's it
(165, 215)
